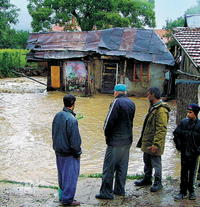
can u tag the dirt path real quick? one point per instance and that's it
(14, 195)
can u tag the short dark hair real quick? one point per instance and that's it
(69, 100)
(155, 91)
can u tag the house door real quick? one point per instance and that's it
(109, 77)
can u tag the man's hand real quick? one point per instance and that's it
(153, 149)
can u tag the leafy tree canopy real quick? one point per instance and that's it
(91, 13)
(8, 17)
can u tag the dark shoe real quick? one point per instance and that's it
(73, 203)
(143, 182)
(156, 186)
(192, 196)
(99, 196)
(180, 197)
(119, 194)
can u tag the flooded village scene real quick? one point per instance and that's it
(39, 67)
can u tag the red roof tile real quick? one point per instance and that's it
(189, 40)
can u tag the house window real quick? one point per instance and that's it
(141, 72)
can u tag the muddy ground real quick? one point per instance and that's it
(15, 195)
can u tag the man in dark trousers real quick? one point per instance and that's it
(118, 134)
(187, 141)
(67, 146)
(152, 140)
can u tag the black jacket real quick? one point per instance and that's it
(187, 137)
(65, 134)
(119, 121)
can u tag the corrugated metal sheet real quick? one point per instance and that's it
(140, 44)
(189, 40)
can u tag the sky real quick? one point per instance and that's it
(164, 9)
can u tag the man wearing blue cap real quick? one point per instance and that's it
(187, 141)
(118, 134)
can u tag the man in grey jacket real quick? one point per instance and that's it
(67, 146)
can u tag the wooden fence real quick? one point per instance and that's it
(187, 93)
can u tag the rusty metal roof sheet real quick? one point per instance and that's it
(189, 40)
(140, 44)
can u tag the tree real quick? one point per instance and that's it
(180, 21)
(194, 9)
(8, 17)
(19, 39)
(91, 13)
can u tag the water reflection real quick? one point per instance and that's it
(25, 144)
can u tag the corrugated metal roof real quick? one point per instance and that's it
(189, 40)
(140, 44)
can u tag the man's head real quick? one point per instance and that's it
(192, 111)
(153, 94)
(69, 101)
(120, 89)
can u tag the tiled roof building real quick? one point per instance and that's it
(189, 40)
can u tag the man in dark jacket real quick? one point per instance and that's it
(67, 146)
(118, 134)
(152, 140)
(187, 141)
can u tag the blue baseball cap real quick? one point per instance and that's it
(120, 87)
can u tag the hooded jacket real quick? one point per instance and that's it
(119, 121)
(187, 137)
(65, 134)
(155, 129)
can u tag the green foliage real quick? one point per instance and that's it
(179, 22)
(28, 184)
(8, 17)
(91, 13)
(99, 175)
(11, 59)
(19, 39)
(14, 39)
(194, 9)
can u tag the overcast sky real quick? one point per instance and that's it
(165, 9)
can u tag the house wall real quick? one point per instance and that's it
(156, 80)
(154, 77)
(157, 75)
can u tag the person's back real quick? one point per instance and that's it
(118, 134)
(63, 131)
(67, 145)
(118, 129)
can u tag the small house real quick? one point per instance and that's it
(94, 61)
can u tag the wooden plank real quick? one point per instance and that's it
(55, 76)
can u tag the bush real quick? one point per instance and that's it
(12, 59)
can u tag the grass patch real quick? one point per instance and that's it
(28, 184)
(96, 175)
(99, 175)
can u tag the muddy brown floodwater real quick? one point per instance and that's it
(26, 113)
